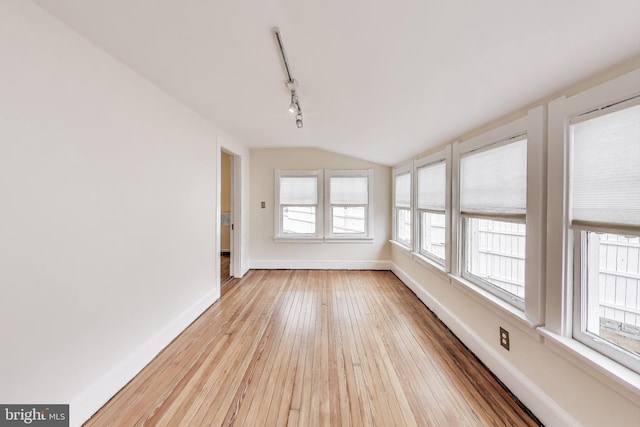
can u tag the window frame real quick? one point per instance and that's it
(566, 245)
(532, 126)
(443, 155)
(584, 269)
(278, 231)
(465, 227)
(404, 169)
(368, 229)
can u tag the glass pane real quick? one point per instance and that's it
(495, 180)
(403, 225)
(495, 252)
(299, 219)
(348, 219)
(613, 289)
(432, 237)
(298, 190)
(349, 190)
(605, 168)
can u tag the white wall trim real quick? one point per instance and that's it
(238, 267)
(320, 265)
(99, 393)
(541, 404)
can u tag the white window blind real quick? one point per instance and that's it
(494, 181)
(432, 186)
(605, 173)
(403, 190)
(349, 190)
(298, 190)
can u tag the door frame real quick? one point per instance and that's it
(235, 267)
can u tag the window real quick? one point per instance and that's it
(301, 200)
(604, 200)
(498, 213)
(402, 206)
(493, 195)
(593, 223)
(299, 207)
(432, 220)
(349, 203)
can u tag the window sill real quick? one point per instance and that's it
(279, 239)
(505, 310)
(609, 372)
(431, 265)
(348, 240)
(316, 240)
(403, 249)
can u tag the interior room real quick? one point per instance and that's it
(483, 156)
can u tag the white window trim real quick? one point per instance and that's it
(439, 156)
(401, 170)
(562, 239)
(533, 126)
(368, 234)
(278, 234)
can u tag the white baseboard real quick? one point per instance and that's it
(540, 403)
(320, 265)
(99, 393)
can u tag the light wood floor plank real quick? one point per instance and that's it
(315, 348)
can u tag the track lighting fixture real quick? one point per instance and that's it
(293, 107)
(291, 84)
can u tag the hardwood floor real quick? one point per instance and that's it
(225, 270)
(326, 348)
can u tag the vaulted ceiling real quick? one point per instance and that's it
(379, 80)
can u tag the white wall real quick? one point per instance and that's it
(266, 253)
(107, 216)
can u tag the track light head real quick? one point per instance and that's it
(299, 120)
(293, 107)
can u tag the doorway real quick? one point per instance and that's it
(226, 216)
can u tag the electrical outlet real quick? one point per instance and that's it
(504, 338)
(263, 204)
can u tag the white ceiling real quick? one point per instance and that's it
(379, 80)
